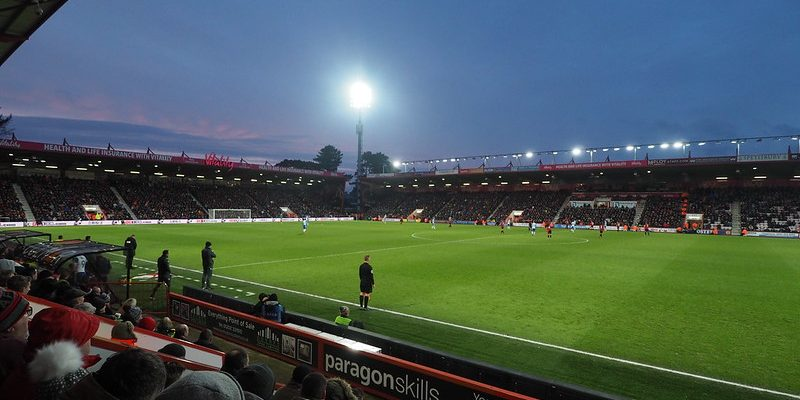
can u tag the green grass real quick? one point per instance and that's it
(721, 307)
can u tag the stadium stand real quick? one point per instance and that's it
(429, 202)
(537, 205)
(10, 206)
(714, 204)
(61, 198)
(770, 209)
(662, 211)
(228, 196)
(159, 200)
(467, 206)
(586, 215)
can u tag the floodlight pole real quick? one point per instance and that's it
(360, 134)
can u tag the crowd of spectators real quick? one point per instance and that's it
(714, 204)
(662, 212)
(10, 207)
(770, 209)
(537, 206)
(466, 206)
(429, 202)
(159, 199)
(228, 196)
(61, 199)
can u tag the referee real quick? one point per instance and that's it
(367, 282)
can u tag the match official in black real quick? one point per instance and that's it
(208, 265)
(367, 282)
(130, 251)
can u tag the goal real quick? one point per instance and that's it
(228, 213)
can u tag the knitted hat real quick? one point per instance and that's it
(8, 265)
(134, 314)
(174, 350)
(148, 323)
(57, 324)
(12, 308)
(257, 379)
(203, 385)
(123, 330)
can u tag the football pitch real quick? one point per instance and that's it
(659, 317)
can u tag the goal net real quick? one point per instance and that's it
(228, 213)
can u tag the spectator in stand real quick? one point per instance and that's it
(174, 372)
(257, 379)
(182, 332)
(100, 302)
(166, 327)
(148, 323)
(173, 349)
(313, 387)
(69, 296)
(235, 359)
(131, 312)
(15, 313)
(45, 285)
(86, 307)
(19, 283)
(132, 374)
(206, 339)
(292, 389)
(203, 385)
(56, 355)
(339, 389)
(124, 333)
(268, 307)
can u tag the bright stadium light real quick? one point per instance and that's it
(664, 145)
(677, 145)
(529, 154)
(576, 151)
(652, 146)
(629, 148)
(360, 96)
(396, 164)
(701, 144)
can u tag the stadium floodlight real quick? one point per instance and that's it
(701, 144)
(360, 96)
(576, 151)
(606, 149)
(555, 153)
(677, 145)
(733, 142)
(616, 148)
(396, 164)
(529, 154)
(652, 146)
(664, 145)
(629, 148)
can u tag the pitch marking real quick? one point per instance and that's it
(502, 335)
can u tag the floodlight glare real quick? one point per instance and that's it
(576, 151)
(664, 145)
(360, 95)
(629, 148)
(529, 154)
(677, 145)
(396, 164)
(652, 146)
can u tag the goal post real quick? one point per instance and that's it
(229, 213)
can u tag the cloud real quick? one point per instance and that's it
(226, 140)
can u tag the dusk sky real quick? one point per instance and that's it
(268, 80)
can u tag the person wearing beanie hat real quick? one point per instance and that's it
(203, 385)
(339, 389)
(292, 389)
(257, 379)
(123, 332)
(148, 323)
(100, 302)
(166, 327)
(173, 349)
(133, 314)
(56, 354)
(15, 314)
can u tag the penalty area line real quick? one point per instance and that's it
(510, 337)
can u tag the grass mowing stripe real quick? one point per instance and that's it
(501, 335)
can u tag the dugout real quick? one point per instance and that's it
(503, 378)
(53, 255)
(13, 242)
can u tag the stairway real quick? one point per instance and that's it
(563, 206)
(199, 203)
(736, 218)
(639, 211)
(122, 201)
(492, 215)
(25, 206)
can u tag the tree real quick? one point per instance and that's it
(299, 164)
(329, 158)
(376, 163)
(5, 126)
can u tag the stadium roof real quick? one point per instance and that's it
(19, 19)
